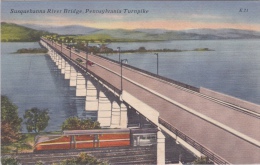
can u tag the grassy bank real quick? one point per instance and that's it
(24, 144)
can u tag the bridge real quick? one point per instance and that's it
(223, 128)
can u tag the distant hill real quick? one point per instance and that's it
(16, 33)
(196, 34)
(32, 32)
(148, 34)
(226, 33)
(125, 35)
(63, 30)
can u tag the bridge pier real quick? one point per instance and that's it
(123, 116)
(51, 53)
(104, 110)
(63, 66)
(55, 57)
(59, 61)
(116, 117)
(67, 71)
(73, 77)
(160, 148)
(91, 97)
(80, 85)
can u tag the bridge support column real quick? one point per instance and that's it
(51, 53)
(81, 85)
(115, 118)
(91, 97)
(160, 148)
(63, 66)
(67, 71)
(56, 58)
(59, 61)
(123, 116)
(73, 77)
(104, 110)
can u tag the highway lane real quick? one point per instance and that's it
(200, 130)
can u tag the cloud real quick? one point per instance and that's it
(200, 16)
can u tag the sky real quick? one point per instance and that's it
(170, 15)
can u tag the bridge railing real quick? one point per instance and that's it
(213, 157)
(80, 65)
(155, 75)
(152, 74)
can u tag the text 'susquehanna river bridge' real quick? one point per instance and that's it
(223, 128)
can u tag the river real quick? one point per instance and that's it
(33, 80)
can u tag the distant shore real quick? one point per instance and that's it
(143, 50)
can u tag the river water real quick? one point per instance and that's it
(31, 80)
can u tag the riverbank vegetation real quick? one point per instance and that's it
(12, 140)
(10, 121)
(23, 144)
(75, 123)
(82, 158)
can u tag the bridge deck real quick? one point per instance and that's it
(229, 133)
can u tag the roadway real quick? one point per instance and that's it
(231, 134)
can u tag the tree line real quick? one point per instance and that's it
(35, 119)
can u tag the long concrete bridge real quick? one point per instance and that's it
(223, 128)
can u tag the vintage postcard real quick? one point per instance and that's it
(130, 82)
